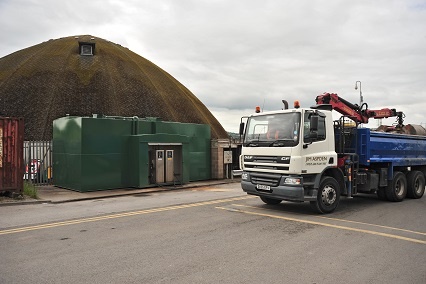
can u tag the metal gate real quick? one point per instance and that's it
(38, 162)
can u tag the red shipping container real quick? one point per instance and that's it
(11, 154)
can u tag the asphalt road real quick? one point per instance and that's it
(212, 235)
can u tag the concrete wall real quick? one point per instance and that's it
(218, 147)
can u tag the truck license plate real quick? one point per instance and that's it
(263, 187)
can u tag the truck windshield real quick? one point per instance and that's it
(273, 130)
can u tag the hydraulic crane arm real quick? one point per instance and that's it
(355, 112)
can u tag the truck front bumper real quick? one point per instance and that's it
(274, 186)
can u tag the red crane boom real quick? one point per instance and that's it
(355, 112)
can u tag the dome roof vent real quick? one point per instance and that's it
(86, 48)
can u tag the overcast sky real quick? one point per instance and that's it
(236, 54)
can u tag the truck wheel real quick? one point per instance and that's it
(397, 188)
(270, 201)
(328, 196)
(415, 184)
(381, 193)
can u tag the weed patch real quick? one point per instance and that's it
(30, 190)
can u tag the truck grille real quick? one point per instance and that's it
(282, 168)
(264, 159)
(266, 179)
(267, 162)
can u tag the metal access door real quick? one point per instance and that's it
(169, 166)
(159, 166)
(165, 164)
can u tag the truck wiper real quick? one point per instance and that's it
(280, 142)
(252, 143)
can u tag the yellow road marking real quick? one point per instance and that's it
(119, 215)
(325, 225)
(348, 221)
(374, 225)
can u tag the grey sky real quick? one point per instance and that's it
(234, 55)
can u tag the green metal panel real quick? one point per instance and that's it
(199, 135)
(144, 126)
(104, 153)
(66, 151)
(103, 135)
(199, 170)
(67, 170)
(137, 171)
(67, 134)
(143, 177)
(131, 168)
(101, 171)
(87, 152)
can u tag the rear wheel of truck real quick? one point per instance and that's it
(270, 201)
(328, 196)
(397, 188)
(415, 184)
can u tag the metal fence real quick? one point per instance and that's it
(38, 162)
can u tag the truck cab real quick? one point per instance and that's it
(286, 153)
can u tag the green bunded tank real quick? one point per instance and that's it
(101, 152)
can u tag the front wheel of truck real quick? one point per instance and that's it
(328, 196)
(270, 201)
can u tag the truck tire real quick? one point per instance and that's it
(328, 196)
(415, 184)
(381, 194)
(397, 188)
(270, 201)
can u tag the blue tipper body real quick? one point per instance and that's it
(395, 149)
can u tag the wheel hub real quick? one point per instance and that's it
(417, 187)
(399, 188)
(328, 195)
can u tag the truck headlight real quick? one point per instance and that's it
(292, 181)
(244, 176)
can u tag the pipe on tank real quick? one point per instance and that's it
(135, 125)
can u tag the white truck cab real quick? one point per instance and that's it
(286, 154)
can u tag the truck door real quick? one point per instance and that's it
(318, 152)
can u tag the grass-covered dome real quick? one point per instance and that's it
(53, 79)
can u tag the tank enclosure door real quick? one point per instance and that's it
(170, 173)
(159, 166)
(165, 164)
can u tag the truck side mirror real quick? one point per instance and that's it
(242, 128)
